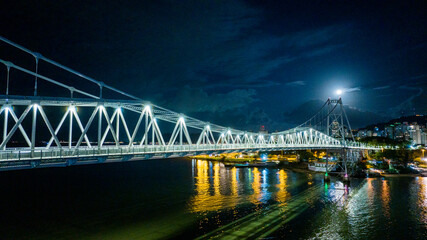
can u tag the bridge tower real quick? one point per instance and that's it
(338, 126)
(336, 120)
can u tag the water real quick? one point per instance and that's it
(184, 199)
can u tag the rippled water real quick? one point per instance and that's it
(186, 199)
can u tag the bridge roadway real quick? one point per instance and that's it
(21, 158)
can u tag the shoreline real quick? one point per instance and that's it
(303, 168)
(403, 175)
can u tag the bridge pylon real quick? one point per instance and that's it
(337, 124)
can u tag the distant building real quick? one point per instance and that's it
(361, 133)
(390, 131)
(401, 131)
(414, 132)
(424, 138)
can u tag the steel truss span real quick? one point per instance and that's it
(46, 131)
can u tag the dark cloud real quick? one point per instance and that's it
(357, 117)
(195, 100)
(296, 83)
(407, 106)
(381, 87)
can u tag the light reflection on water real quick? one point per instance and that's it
(391, 208)
(385, 197)
(282, 194)
(181, 199)
(222, 190)
(422, 198)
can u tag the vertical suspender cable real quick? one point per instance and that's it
(35, 79)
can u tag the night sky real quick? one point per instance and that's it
(239, 63)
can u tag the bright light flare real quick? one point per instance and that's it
(339, 92)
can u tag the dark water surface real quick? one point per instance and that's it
(184, 199)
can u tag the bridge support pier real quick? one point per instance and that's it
(346, 178)
(326, 178)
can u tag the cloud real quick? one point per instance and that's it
(224, 51)
(357, 118)
(381, 87)
(418, 77)
(349, 90)
(408, 104)
(296, 83)
(196, 100)
(318, 36)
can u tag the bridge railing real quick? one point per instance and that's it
(113, 151)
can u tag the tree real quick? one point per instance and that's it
(400, 155)
(305, 155)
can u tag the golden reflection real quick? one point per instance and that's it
(385, 198)
(256, 187)
(422, 198)
(205, 200)
(216, 179)
(202, 179)
(310, 179)
(202, 197)
(234, 181)
(282, 194)
(370, 183)
(234, 190)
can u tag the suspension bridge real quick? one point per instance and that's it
(68, 125)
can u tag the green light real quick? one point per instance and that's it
(326, 174)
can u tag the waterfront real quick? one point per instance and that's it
(179, 198)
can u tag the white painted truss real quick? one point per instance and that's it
(50, 131)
